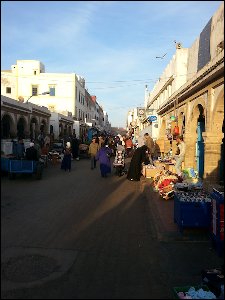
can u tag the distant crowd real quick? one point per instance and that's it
(101, 148)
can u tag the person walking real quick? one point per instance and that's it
(37, 147)
(119, 161)
(66, 161)
(129, 146)
(103, 155)
(92, 151)
(101, 140)
(19, 149)
(75, 147)
(180, 157)
(140, 156)
(41, 139)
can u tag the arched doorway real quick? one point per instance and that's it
(43, 127)
(6, 125)
(65, 131)
(70, 130)
(21, 124)
(33, 129)
(200, 142)
(61, 130)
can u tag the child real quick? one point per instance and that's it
(119, 162)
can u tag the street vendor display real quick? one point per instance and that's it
(150, 171)
(164, 183)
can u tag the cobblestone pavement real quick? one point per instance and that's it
(76, 235)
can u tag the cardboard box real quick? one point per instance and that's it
(159, 164)
(170, 167)
(149, 173)
(143, 170)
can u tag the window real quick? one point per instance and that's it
(52, 90)
(8, 90)
(35, 72)
(34, 90)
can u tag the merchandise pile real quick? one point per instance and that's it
(196, 293)
(211, 286)
(164, 183)
(193, 196)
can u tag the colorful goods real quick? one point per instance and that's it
(164, 184)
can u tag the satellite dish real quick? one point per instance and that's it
(21, 99)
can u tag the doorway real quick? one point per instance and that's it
(200, 142)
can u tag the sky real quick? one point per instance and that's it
(112, 44)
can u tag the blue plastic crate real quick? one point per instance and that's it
(21, 166)
(191, 214)
(4, 164)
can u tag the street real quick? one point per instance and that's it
(76, 235)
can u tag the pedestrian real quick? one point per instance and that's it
(103, 155)
(148, 141)
(119, 161)
(41, 139)
(140, 156)
(31, 153)
(37, 147)
(75, 147)
(129, 146)
(140, 141)
(47, 139)
(44, 154)
(66, 161)
(101, 140)
(180, 157)
(92, 151)
(19, 149)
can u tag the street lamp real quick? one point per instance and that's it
(44, 93)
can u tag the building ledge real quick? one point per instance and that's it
(214, 69)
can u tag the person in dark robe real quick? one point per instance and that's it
(66, 161)
(140, 156)
(31, 153)
(75, 147)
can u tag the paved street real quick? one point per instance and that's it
(80, 236)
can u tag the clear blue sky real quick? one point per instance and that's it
(112, 44)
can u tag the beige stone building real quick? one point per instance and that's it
(198, 104)
(22, 119)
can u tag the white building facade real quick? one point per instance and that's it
(61, 93)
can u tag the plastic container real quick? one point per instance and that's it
(191, 214)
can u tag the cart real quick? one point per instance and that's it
(21, 166)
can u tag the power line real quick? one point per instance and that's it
(152, 80)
